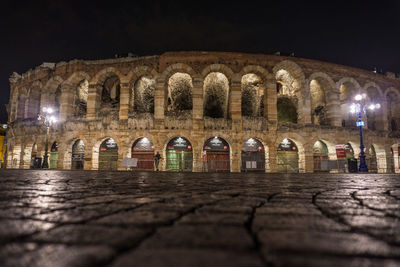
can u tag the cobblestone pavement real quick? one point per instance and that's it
(71, 218)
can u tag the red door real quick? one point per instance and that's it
(218, 162)
(145, 160)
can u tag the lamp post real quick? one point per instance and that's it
(359, 108)
(48, 120)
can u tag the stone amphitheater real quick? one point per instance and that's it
(203, 111)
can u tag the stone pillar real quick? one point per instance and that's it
(34, 104)
(333, 109)
(272, 155)
(121, 154)
(270, 100)
(64, 156)
(235, 106)
(124, 101)
(159, 100)
(198, 158)
(304, 107)
(91, 157)
(236, 159)
(198, 104)
(309, 162)
(66, 104)
(93, 102)
(384, 118)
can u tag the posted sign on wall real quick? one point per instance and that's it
(341, 151)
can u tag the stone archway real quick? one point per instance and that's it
(287, 157)
(180, 99)
(216, 155)
(253, 88)
(253, 156)
(53, 155)
(143, 150)
(108, 155)
(320, 156)
(179, 155)
(78, 155)
(216, 95)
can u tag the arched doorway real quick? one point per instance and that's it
(216, 155)
(320, 157)
(349, 151)
(53, 155)
(179, 155)
(371, 160)
(352, 164)
(392, 159)
(78, 155)
(108, 155)
(143, 150)
(35, 163)
(287, 156)
(253, 156)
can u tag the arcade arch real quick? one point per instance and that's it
(216, 95)
(179, 155)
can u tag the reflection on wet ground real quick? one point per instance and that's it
(90, 218)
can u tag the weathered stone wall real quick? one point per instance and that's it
(79, 90)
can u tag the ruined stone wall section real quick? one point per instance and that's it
(314, 85)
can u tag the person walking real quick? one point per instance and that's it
(157, 158)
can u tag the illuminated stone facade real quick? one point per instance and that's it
(198, 96)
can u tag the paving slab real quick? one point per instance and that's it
(94, 218)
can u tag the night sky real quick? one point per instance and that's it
(355, 33)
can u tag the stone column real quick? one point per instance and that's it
(333, 109)
(384, 116)
(272, 155)
(236, 156)
(64, 156)
(309, 162)
(124, 101)
(159, 104)
(270, 100)
(91, 157)
(66, 104)
(121, 154)
(235, 107)
(198, 104)
(93, 102)
(304, 107)
(198, 158)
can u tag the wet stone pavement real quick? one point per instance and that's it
(72, 218)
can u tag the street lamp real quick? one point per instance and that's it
(48, 119)
(359, 108)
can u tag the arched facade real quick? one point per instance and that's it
(199, 96)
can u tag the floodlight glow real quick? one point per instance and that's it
(371, 107)
(378, 106)
(53, 119)
(364, 95)
(353, 108)
(44, 109)
(358, 97)
(49, 110)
